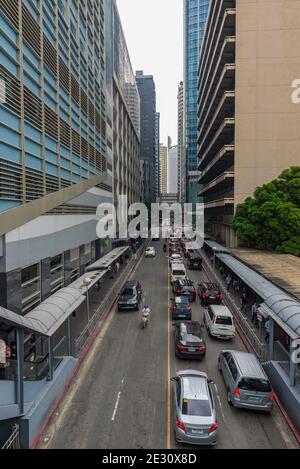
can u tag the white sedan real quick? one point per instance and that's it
(150, 252)
(176, 258)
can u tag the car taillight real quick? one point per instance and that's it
(237, 392)
(214, 427)
(219, 296)
(180, 424)
(201, 349)
(174, 308)
(205, 295)
(181, 348)
(272, 396)
(179, 291)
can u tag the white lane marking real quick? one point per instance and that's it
(220, 403)
(117, 403)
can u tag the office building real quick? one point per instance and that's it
(146, 87)
(157, 160)
(248, 125)
(181, 146)
(54, 168)
(123, 110)
(195, 14)
(163, 156)
(173, 170)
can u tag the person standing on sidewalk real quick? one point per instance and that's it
(254, 313)
(244, 302)
(268, 330)
(228, 281)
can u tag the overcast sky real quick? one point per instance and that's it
(154, 36)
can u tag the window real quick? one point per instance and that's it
(57, 273)
(257, 385)
(31, 287)
(233, 368)
(196, 407)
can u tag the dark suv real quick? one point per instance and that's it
(181, 309)
(185, 288)
(130, 296)
(189, 342)
(210, 294)
(194, 262)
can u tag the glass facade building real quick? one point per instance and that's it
(195, 15)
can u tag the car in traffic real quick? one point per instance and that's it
(130, 296)
(210, 294)
(194, 412)
(219, 322)
(246, 381)
(186, 288)
(178, 272)
(176, 257)
(194, 262)
(181, 308)
(150, 252)
(188, 340)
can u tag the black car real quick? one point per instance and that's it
(185, 288)
(194, 262)
(210, 294)
(188, 339)
(181, 308)
(130, 296)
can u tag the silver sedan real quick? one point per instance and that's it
(195, 418)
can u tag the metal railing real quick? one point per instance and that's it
(13, 441)
(82, 339)
(258, 346)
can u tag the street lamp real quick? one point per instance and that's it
(86, 282)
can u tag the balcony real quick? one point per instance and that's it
(223, 136)
(225, 109)
(222, 161)
(223, 182)
(225, 202)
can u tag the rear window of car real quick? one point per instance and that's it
(196, 407)
(182, 300)
(128, 291)
(192, 340)
(212, 292)
(255, 384)
(178, 272)
(224, 320)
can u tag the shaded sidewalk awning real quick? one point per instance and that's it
(47, 317)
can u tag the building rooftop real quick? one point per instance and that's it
(281, 269)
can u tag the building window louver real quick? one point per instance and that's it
(50, 56)
(32, 108)
(34, 184)
(10, 8)
(31, 31)
(12, 91)
(10, 180)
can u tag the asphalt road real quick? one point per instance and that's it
(121, 397)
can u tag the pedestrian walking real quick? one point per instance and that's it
(268, 330)
(254, 313)
(228, 281)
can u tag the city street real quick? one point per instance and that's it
(122, 397)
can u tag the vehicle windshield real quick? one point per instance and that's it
(178, 272)
(224, 320)
(193, 340)
(255, 384)
(127, 292)
(182, 300)
(196, 407)
(212, 292)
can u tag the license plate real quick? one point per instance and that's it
(254, 398)
(198, 432)
(192, 350)
(181, 316)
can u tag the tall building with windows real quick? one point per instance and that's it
(147, 92)
(173, 170)
(163, 156)
(157, 160)
(195, 14)
(56, 145)
(181, 148)
(248, 125)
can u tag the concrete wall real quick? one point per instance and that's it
(267, 122)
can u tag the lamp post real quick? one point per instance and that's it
(86, 282)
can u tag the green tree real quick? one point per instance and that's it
(270, 219)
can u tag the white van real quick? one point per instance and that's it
(219, 322)
(178, 272)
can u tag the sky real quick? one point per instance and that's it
(154, 36)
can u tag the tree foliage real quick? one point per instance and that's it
(270, 220)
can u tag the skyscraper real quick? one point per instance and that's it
(163, 169)
(146, 87)
(248, 126)
(157, 161)
(173, 170)
(195, 14)
(181, 149)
